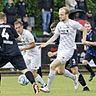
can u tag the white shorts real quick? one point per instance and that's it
(64, 55)
(32, 62)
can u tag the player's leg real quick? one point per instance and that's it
(67, 73)
(51, 75)
(39, 71)
(0, 79)
(38, 78)
(33, 65)
(73, 63)
(74, 69)
(19, 63)
(87, 58)
(83, 83)
(62, 57)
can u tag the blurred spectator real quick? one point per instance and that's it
(47, 9)
(10, 11)
(71, 4)
(21, 8)
(18, 18)
(25, 21)
(4, 2)
(91, 19)
(81, 4)
(33, 33)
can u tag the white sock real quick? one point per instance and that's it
(69, 74)
(51, 77)
(40, 80)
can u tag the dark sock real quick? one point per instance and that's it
(81, 80)
(0, 78)
(89, 69)
(30, 76)
(39, 71)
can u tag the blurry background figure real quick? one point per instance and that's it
(47, 8)
(80, 16)
(81, 4)
(21, 8)
(25, 21)
(33, 33)
(18, 18)
(90, 18)
(4, 2)
(71, 4)
(10, 11)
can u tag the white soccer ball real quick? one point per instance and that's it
(23, 80)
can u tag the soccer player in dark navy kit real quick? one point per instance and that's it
(9, 51)
(91, 49)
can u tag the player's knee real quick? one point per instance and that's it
(60, 72)
(52, 67)
(74, 70)
(34, 73)
(85, 62)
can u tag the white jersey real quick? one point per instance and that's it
(27, 38)
(32, 56)
(67, 31)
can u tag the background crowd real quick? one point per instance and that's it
(47, 12)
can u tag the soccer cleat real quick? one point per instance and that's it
(76, 83)
(45, 89)
(36, 88)
(91, 77)
(86, 89)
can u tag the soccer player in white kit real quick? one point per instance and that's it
(66, 29)
(32, 52)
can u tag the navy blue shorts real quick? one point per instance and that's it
(17, 61)
(90, 57)
(73, 61)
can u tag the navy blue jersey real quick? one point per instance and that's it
(92, 38)
(8, 44)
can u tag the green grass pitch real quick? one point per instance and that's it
(62, 86)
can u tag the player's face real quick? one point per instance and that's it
(62, 15)
(19, 28)
(88, 26)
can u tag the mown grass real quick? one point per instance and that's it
(62, 86)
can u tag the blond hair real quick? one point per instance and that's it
(67, 11)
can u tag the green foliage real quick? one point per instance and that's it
(1, 6)
(91, 4)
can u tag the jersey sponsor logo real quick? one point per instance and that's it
(7, 42)
(7, 26)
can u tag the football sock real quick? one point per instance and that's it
(69, 74)
(89, 69)
(0, 79)
(40, 80)
(30, 77)
(81, 80)
(51, 77)
(39, 71)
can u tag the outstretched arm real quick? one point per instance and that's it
(51, 40)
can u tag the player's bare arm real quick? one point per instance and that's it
(89, 43)
(51, 40)
(29, 46)
(84, 30)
